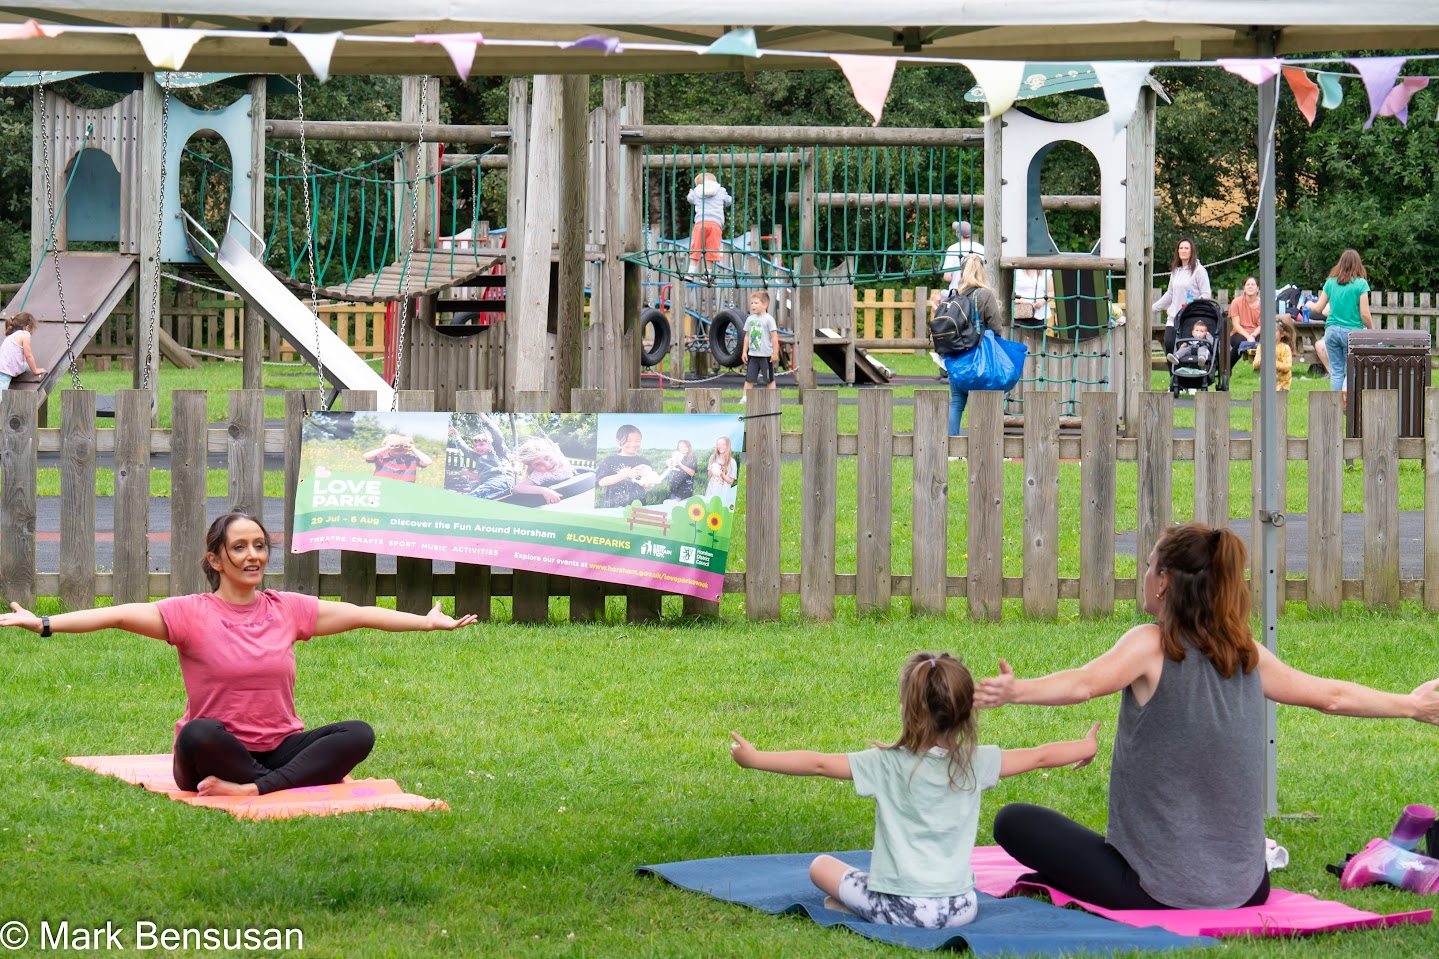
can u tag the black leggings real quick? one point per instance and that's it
(1076, 860)
(312, 757)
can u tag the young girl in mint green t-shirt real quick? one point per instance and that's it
(1344, 303)
(926, 790)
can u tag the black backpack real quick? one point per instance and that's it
(955, 327)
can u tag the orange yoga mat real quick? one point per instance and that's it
(352, 795)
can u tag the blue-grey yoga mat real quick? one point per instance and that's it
(1016, 927)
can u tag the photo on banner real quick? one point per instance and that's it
(636, 499)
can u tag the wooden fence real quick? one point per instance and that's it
(768, 571)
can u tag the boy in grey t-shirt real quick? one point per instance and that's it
(760, 345)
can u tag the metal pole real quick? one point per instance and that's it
(1270, 452)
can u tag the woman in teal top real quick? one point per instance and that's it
(1344, 305)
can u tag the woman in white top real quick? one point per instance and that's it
(1036, 288)
(1188, 281)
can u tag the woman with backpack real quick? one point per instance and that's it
(980, 304)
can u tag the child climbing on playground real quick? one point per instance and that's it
(493, 477)
(15, 354)
(926, 790)
(1195, 351)
(709, 199)
(760, 346)
(1283, 356)
(398, 459)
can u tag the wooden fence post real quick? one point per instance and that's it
(818, 478)
(1155, 508)
(1041, 504)
(761, 468)
(985, 589)
(1381, 497)
(357, 570)
(302, 570)
(247, 452)
(1099, 455)
(1325, 586)
(644, 605)
(701, 401)
(1211, 458)
(77, 499)
(19, 459)
(131, 580)
(189, 466)
(874, 519)
(929, 576)
(414, 578)
(472, 582)
(531, 593)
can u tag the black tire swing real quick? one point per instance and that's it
(726, 332)
(659, 339)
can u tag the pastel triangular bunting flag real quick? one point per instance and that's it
(1255, 71)
(1121, 83)
(1396, 104)
(596, 41)
(28, 30)
(1378, 74)
(736, 43)
(460, 47)
(869, 79)
(1332, 89)
(999, 79)
(167, 49)
(317, 49)
(1306, 92)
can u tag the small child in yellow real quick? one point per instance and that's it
(1284, 356)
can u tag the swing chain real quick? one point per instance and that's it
(54, 225)
(415, 179)
(309, 231)
(160, 233)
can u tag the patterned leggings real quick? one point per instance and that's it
(892, 910)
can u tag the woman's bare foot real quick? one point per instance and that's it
(215, 786)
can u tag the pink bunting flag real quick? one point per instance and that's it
(460, 47)
(869, 79)
(1255, 71)
(1379, 74)
(596, 41)
(1305, 90)
(1396, 104)
(28, 30)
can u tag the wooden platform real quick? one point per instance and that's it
(430, 272)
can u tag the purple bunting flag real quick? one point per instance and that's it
(1379, 74)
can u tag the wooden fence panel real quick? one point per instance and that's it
(414, 578)
(930, 495)
(77, 499)
(473, 586)
(1381, 497)
(1211, 458)
(247, 451)
(19, 459)
(817, 506)
(985, 586)
(874, 517)
(761, 469)
(1258, 562)
(1041, 504)
(357, 570)
(532, 590)
(1325, 586)
(131, 580)
(696, 401)
(1099, 456)
(189, 468)
(1155, 506)
(302, 570)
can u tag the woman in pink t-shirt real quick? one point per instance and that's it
(240, 735)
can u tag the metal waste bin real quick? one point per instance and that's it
(1388, 360)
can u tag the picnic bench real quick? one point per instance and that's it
(639, 516)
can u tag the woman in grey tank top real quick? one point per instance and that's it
(1186, 791)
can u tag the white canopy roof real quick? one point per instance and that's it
(979, 29)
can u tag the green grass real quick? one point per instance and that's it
(565, 766)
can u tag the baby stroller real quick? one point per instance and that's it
(1213, 373)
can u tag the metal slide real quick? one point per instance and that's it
(248, 276)
(93, 284)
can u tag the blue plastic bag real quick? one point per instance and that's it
(994, 364)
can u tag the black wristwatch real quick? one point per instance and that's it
(44, 625)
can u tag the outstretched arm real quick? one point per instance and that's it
(1293, 687)
(1080, 752)
(795, 762)
(143, 619)
(1137, 656)
(340, 617)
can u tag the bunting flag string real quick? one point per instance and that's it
(1000, 80)
(1378, 74)
(1305, 90)
(1121, 83)
(869, 80)
(460, 46)
(1255, 71)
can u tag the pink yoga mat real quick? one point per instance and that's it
(352, 795)
(1285, 914)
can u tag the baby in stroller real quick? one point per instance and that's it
(1194, 364)
(1195, 352)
